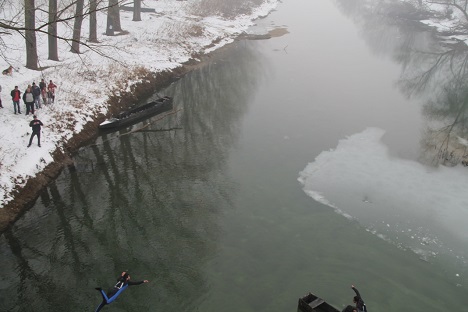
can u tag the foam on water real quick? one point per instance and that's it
(412, 205)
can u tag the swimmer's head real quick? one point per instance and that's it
(125, 276)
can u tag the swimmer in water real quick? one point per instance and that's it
(122, 283)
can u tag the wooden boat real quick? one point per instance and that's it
(312, 303)
(138, 113)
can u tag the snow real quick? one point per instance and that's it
(447, 24)
(161, 41)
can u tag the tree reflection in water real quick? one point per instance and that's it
(433, 70)
(145, 202)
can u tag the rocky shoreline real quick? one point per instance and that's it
(25, 197)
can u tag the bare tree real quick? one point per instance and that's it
(28, 29)
(30, 34)
(460, 5)
(110, 24)
(93, 21)
(75, 48)
(113, 18)
(136, 11)
(52, 31)
(115, 8)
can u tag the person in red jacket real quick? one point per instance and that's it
(16, 97)
(51, 91)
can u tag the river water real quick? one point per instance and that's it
(294, 164)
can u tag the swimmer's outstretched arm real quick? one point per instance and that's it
(131, 283)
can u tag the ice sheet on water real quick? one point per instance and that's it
(412, 205)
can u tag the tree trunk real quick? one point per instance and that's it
(75, 48)
(137, 10)
(110, 24)
(52, 31)
(114, 10)
(92, 21)
(30, 34)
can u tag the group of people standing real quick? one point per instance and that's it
(33, 96)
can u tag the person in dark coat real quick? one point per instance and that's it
(35, 124)
(360, 305)
(42, 84)
(36, 91)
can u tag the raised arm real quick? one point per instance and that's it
(357, 292)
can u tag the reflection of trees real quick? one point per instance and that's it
(146, 202)
(443, 75)
(432, 71)
(30, 282)
(353, 8)
(414, 10)
(435, 70)
(383, 32)
(445, 139)
(43, 258)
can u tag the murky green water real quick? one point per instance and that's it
(205, 203)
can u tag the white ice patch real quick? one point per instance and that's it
(414, 206)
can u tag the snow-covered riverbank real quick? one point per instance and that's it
(162, 41)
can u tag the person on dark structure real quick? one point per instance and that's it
(360, 305)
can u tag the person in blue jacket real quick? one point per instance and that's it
(122, 283)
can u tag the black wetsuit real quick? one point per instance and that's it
(36, 131)
(114, 292)
(360, 305)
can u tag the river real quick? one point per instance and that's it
(295, 164)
